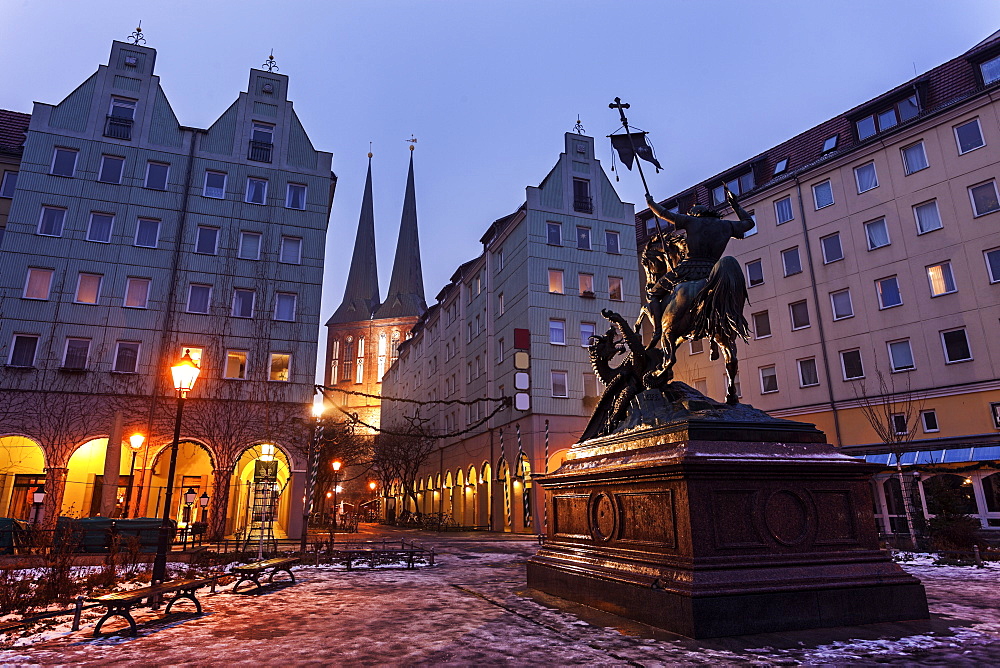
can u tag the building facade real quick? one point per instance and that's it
(131, 240)
(514, 322)
(874, 280)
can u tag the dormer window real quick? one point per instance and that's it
(737, 185)
(120, 118)
(781, 166)
(830, 144)
(990, 70)
(881, 121)
(261, 142)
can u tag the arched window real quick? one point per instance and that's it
(334, 362)
(360, 373)
(381, 355)
(394, 350)
(348, 357)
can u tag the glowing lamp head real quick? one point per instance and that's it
(203, 500)
(329, 494)
(372, 485)
(135, 441)
(336, 466)
(185, 373)
(38, 496)
(266, 452)
(317, 410)
(189, 496)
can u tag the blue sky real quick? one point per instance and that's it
(489, 87)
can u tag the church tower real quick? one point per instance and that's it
(363, 334)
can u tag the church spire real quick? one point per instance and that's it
(361, 296)
(406, 288)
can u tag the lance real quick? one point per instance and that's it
(621, 107)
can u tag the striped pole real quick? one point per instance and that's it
(545, 505)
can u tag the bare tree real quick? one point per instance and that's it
(401, 450)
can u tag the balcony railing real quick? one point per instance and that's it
(583, 204)
(260, 151)
(118, 127)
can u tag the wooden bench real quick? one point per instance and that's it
(253, 572)
(371, 554)
(120, 603)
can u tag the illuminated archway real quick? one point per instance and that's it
(22, 470)
(259, 491)
(195, 466)
(85, 481)
(484, 504)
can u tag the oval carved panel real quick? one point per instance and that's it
(787, 517)
(603, 517)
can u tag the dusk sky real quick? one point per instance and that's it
(489, 88)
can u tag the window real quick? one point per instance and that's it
(615, 289)
(737, 185)
(956, 346)
(865, 177)
(829, 144)
(559, 384)
(761, 325)
(291, 250)
(899, 423)
(581, 196)
(984, 198)
(969, 136)
(587, 330)
(120, 117)
(76, 354)
(877, 234)
(64, 162)
(841, 302)
(38, 284)
(914, 158)
(799, 312)
(111, 169)
(929, 421)
(295, 197)
(236, 364)
(768, 379)
(206, 240)
(249, 245)
(556, 281)
(903, 110)
(590, 385)
(697, 347)
(284, 306)
(990, 70)
(500, 305)
(888, 292)
(215, 185)
(941, 278)
(199, 298)
(243, 303)
(822, 194)
(88, 288)
(808, 376)
(156, 175)
(99, 228)
(499, 260)
(781, 166)
(993, 264)
(280, 365)
(783, 210)
(126, 357)
(753, 230)
(586, 285)
(256, 191)
(850, 361)
(136, 293)
(147, 233)
(791, 262)
(557, 332)
(22, 350)
(900, 355)
(611, 242)
(122, 108)
(51, 222)
(701, 385)
(583, 238)
(755, 273)
(927, 216)
(553, 234)
(8, 184)
(832, 249)
(500, 351)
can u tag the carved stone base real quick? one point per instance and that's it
(714, 538)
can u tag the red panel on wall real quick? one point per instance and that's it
(522, 339)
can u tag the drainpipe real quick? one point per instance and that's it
(819, 318)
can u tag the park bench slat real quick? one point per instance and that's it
(252, 572)
(120, 603)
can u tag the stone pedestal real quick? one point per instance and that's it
(712, 529)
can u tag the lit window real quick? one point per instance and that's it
(990, 70)
(829, 144)
(587, 331)
(915, 158)
(291, 250)
(256, 191)
(206, 240)
(832, 249)
(126, 357)
(136, 293)
(888, 292)
(768, 380)
(781, 166)
(64, 162)
(557, 332)
(8, 184)
(799, 312)
(215, 184)
(76, 354)
(761, 325)
(850, 362)
(243, 303)
(783, 210)
(984, 198)
(111, 169)
(280, 365)
(841, 302)
(900, 355)
(554, 234)
(236, 364)
(586, 285)
(295, 198)
(941, 279)
(199, 298)
(38, 283)
(284, 306)
(51, 222)
(993, 264)
(865, 177)
(583, 238)
(559, 384)
(808, 375)
(822, 194)
(249, 245)
(614, 289)
(929, 421)
(969, 136)
(147, 233)
(88, 288)
(927, 216)
(22, 350)
(156, 175)
(612, 242)
(956, 346)
(877, 234)
(556, 281)
(755, 273)
(791, 262)
(99, 228)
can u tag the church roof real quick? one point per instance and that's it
(361, 297)
(406, 287)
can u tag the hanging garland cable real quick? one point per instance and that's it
(428, 402)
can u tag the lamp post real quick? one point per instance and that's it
(38, 497)
(336, 488)
(135, 442)
(307, 500)
(184, 373)
(372, 485)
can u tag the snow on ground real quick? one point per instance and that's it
(472, 608)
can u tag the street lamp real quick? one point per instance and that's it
(39, 498)
(336, 488)
(203, 502)
(135, 442)
(184, 374)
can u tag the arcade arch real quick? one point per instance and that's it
(22, 471)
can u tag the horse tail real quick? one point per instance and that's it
(718, 309)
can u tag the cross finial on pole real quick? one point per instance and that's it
(412, 140)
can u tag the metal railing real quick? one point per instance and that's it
(117, 127)
(260, 151)
(583, 204)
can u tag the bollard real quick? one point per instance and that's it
(432, 556)
(214, 579)
(154, 600)
(77, 611)
(979, 558)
